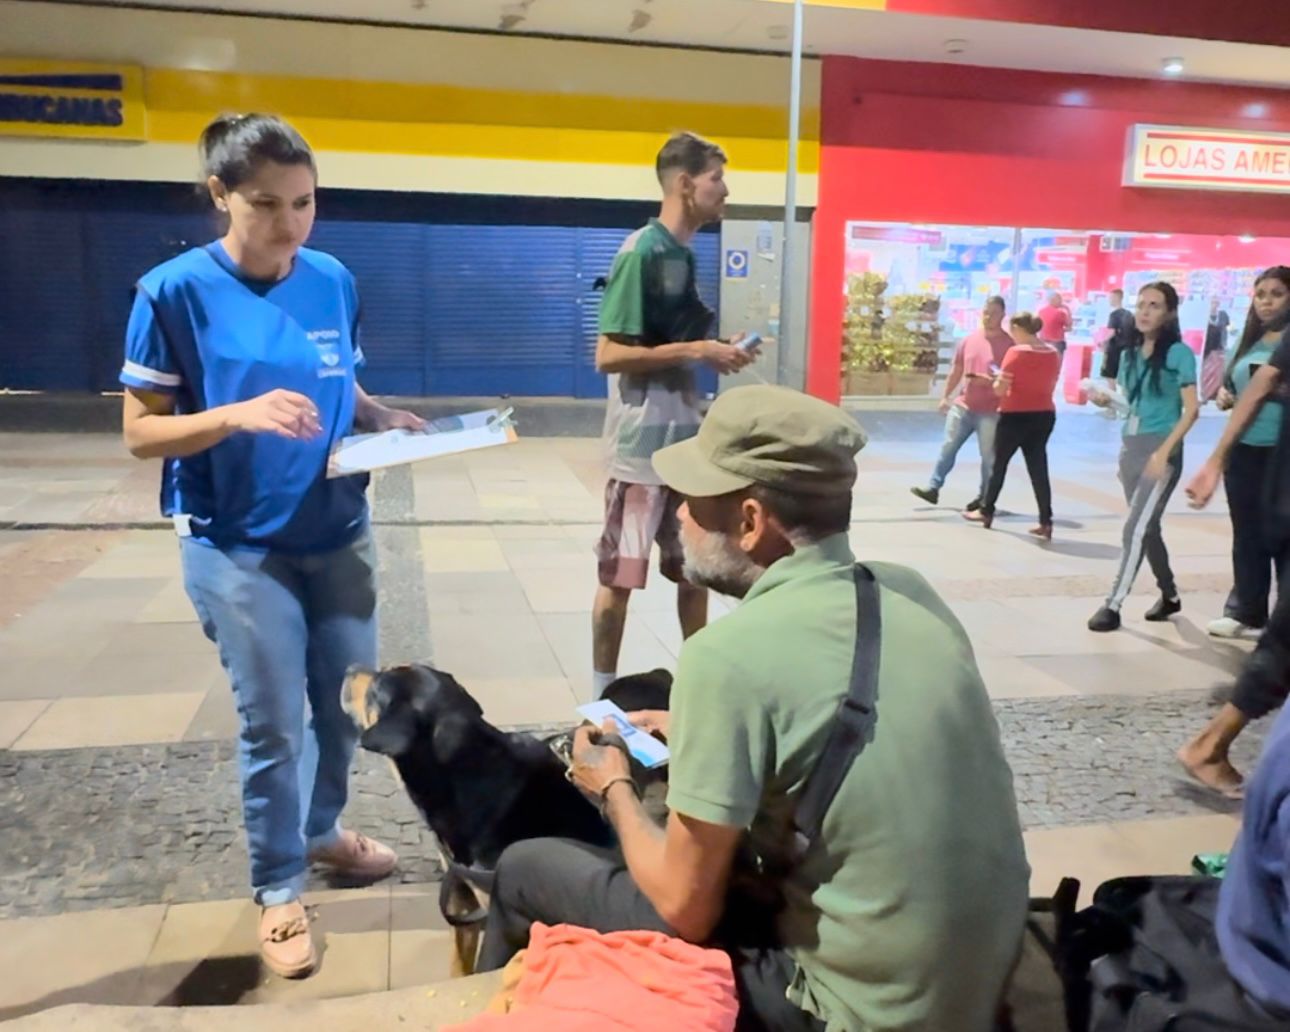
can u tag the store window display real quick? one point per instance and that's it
(941, 275)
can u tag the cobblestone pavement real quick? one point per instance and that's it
(93, 828)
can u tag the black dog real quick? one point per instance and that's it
(480, 789)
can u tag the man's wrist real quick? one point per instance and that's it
(613, 794)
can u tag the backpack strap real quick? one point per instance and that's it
(852, 727)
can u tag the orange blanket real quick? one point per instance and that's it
(577, 980)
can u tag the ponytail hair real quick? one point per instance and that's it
(1027, 322)
(234, 147)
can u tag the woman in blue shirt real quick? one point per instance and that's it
(1259, 539)
(1158, 376)
(239, 371)
(1253, 556)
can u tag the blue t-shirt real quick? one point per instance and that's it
(1265, 428)
(206, 333)
(1156, 410)
(1253, 921)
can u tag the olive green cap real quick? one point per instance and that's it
(773, 436)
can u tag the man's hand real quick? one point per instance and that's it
(944, 407)
(652, 721)
(1203, 485)
(724, 358)
(595, 764)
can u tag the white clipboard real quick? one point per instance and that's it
(448, 435)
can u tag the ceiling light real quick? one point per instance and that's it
(777, 31)
(1255, 110)
(955, 46)
(1171, 66)
(1245, 238)
(1073, 98)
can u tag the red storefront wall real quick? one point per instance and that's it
(908, 142)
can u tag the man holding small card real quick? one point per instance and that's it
(895, 897)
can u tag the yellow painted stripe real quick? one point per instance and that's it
(854, 5)
(407, 118)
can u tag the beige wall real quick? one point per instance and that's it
(405, 109)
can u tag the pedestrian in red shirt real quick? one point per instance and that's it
(1026, 418)
(1056, 319)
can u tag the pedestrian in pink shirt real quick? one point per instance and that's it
(975, 409)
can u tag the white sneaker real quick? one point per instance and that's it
(1226, 627)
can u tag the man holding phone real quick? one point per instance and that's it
(654, 330)
(976, 409)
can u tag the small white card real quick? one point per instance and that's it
(646, 750)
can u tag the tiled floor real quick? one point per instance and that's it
(101, 649)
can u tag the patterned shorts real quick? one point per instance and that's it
(637, 516)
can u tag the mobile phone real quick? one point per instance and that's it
(753, 340)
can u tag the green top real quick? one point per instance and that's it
(651, 297)
(908, 911)
(1264, 430)
(1156, 410)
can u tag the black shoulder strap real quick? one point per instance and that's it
(852, 728)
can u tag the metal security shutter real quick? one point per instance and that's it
(45, 342)
(388, 260)
(503, 310)
(119, 248)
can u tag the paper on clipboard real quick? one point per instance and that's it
(449, 435)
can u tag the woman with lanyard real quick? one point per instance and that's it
(1259, 545)
(239, 373)
(1025, 384)
(1158, 375)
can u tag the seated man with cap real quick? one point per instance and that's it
(904, 909)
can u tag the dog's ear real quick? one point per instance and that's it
(392, 735)
(460, 695)
(455, 736)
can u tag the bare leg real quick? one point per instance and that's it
(692, 608)
(608, 616)
(1205, 756)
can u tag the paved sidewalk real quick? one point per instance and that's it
(122, 865)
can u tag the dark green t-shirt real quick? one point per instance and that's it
(908, 912)
(651, 298)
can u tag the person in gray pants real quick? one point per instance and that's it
(1158, 376)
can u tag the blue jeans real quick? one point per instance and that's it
(287, 628)
(961, 424)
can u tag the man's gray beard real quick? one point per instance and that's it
(718, 563)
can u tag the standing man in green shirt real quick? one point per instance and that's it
(906, 911)
(653, 333)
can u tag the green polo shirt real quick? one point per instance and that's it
(908, 912)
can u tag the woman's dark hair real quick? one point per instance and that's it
(1170, 333)
(233, 147)
(1032, 324)
(1254, 327)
